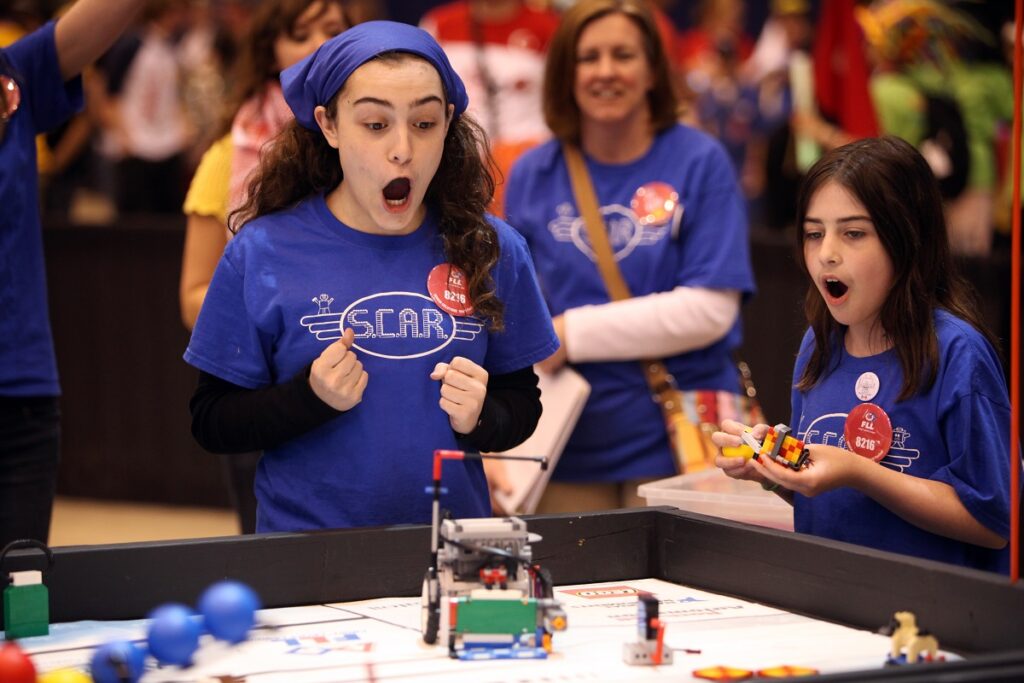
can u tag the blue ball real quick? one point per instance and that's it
(116, 662)
(229, 609)
(173, 634)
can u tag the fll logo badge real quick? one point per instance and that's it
(830, 430)
(393, 325)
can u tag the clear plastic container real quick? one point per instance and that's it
(711, 492)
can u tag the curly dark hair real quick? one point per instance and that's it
(299, 163)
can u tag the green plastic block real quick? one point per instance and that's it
(26, 611)
(485, 616)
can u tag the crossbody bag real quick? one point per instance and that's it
(690, 416)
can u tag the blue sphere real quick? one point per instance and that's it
(173, 634)
(229, 609)
(116, 662)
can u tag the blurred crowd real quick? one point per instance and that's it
(776, 81)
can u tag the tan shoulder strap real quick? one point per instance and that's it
(586, 202)
(661, 383)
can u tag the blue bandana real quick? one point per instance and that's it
(317, 78)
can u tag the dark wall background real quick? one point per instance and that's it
(119, 338)
(114, 307)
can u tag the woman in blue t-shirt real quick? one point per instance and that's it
(677, 225)
(369, 312)
(899, 394)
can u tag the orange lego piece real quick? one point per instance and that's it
(784, 449)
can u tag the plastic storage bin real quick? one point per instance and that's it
(711, 492)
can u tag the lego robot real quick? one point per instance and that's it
(483, 595)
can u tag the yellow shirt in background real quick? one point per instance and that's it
(208, 192)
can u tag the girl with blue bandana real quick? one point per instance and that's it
(898, 392)
(369, 311)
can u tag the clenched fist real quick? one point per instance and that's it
(463, 389)
(337, 376)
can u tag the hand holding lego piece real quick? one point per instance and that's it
(749, 444)
(463, 390)
(825, 468)
(759, 445)
(775, 443)
(337, 376)
(735, 460)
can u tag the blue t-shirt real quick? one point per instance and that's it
(288, 286)
(27, 363)
(957, 432)
(621, 433)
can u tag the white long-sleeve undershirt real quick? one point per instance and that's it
(652, 326)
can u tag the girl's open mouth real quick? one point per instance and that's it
(836, 288)
(396, 193)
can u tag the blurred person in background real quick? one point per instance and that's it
(39, 88)
(206, 52)
(67, 161)
(770, 174)
(922, 77)
(498, 48)
(145, 128)
(717, 36)
(729, 109)
(920, 81)
(677, 224)
(359, 11)
(282, 32)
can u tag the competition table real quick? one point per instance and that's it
(975, 614)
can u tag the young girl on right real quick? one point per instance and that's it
(898, 392)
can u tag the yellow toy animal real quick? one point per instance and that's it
(909, 640)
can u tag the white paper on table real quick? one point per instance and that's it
(563, 395)
(380, 639)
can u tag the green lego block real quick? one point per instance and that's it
(26, 611)
(487, 616)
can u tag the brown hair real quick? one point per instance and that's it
(300, 163)
(256, 63)
(897, 187)
(156, 9)
(561, 112)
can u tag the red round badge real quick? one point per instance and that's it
(449, 289)
(868, 431)
(12, 97)
(654, 203)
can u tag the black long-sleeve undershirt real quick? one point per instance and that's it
(227, 418)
